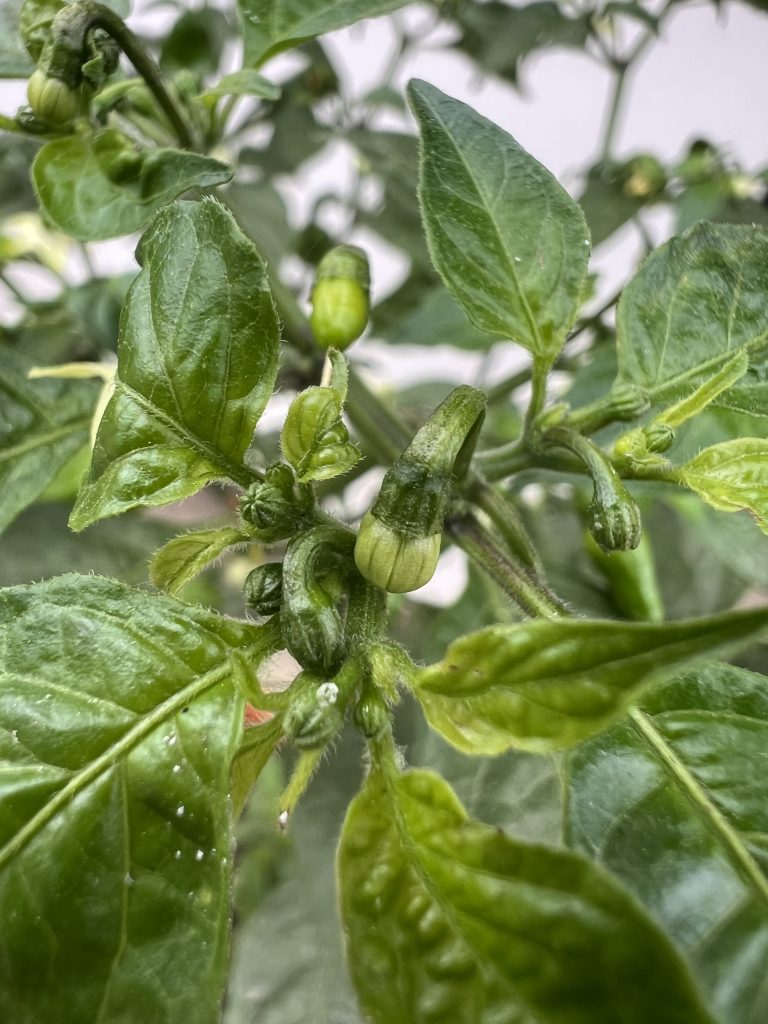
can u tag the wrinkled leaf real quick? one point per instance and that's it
(273, 25)
(509, 242)
(118, 721)
(185, 557)
(78, 196)
(547, 685)
(673, 800)
(448, 919)
(732, 476)
(695, 302)
(197, 364)
(43, 423)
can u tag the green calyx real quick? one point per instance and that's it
(399, 540)
(340, 297)
(52, 100)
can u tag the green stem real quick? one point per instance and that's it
(70, 29)
(532, 596)
(508, 523)
(620, 69)
(539, 374)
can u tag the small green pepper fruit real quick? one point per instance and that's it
(52, 100)
(398, 544)
(340, 297)
(615, 524)
(277, 505)
(393, 561)
(263, 588)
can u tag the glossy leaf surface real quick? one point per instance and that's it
(673, 800)
(81, 199)
(118, 721)
(732, 476)
(274, 25)
(695, 302)
(509, 242)
(197, 364)
(545, 685)
(43, 423)
(448, 919)
(185, 557)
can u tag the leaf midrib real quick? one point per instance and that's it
(739, 855)
(41, 440)
(111, 756)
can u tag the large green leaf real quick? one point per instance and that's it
(732, 476)
(270, 26)
(509, 242)
(695, 301)
(118, 721)
(674, 800)
(545, 685)
(197, 364)
(77, 194)
(43, 423)
(448, 919)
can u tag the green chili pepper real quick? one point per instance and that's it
(340, 297)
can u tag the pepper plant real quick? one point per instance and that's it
(544, 805)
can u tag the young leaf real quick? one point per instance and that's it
(448, 919)
(673, 800)
(118, 722)
(243, 83)
(185, 557)
(197, 360)
(79, 197)
(509, 242)
(547, 685)
(43, 423)
(695, 302)
(270, 26)
(732, 476)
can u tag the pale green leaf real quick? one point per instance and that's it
(674, 801)
(43, 424)
(197, 363)
(118, 722)
(185, 557)
(694, 303)
(270, 26)
(78, 196)
(545, 685)
(448, 919)
(732, 476)
(509, 242)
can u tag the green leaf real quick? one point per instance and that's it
(436, 320)
(509, 242)
(77, 194)
(185, 557)
(251, 757)
(195, 43)
(270, 26)
(673, 800)
(197, 364)
(118, 721)
(547, 685)
(244, 83)
(694, 303)
(43, 423)
(732, 476)
(449, 919)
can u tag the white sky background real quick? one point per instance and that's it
(706, 76)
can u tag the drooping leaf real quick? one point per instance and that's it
(732, 476)
(77, 194)
(197, 364)
(673, 800)
(448, 919)
(270, 26)
(509, 242)
(43, 423)
(118, 721)
(545, 685)
(184, 557)
(693, 304)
